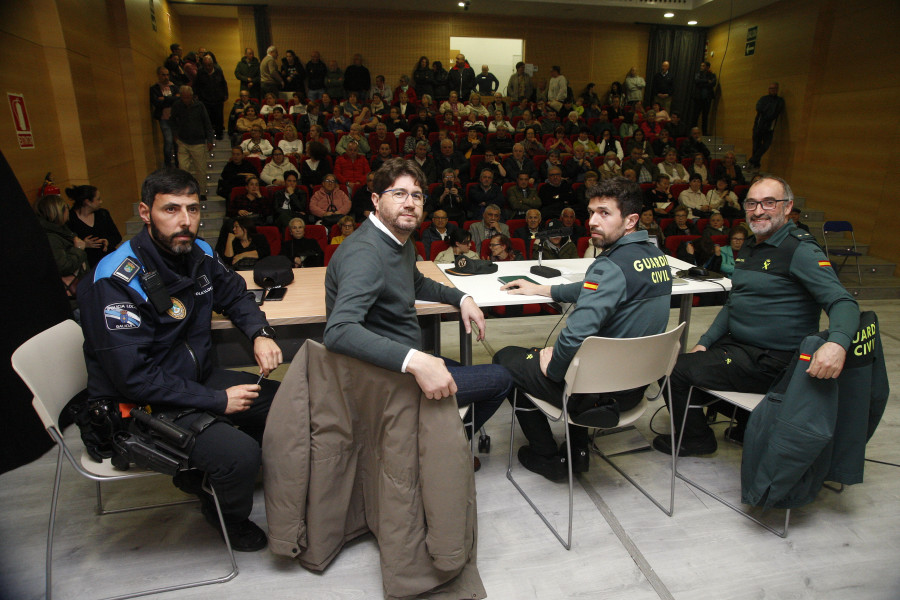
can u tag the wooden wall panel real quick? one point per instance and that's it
(221, 37)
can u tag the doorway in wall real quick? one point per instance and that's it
(499, 54)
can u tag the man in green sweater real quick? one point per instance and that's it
(782, 280)
(371, 287)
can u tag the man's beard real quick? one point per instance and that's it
(605, 241)
(169, 244)
(766, 227)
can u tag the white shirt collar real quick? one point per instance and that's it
(377, 222)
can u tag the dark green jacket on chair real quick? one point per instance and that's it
(807, 431)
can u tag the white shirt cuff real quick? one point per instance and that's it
(407, 359)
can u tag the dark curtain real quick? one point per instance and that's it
(683, 47)
(32, 299)
(263, 34)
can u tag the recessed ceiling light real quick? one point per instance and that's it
(461, 4)
(669, 15)
(692, 22)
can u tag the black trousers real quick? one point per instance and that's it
(216, 116)
(230, 453)
(726, 365)
(702, 107)
(762, 139)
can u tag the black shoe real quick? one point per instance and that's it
(735, 434)
(605, 416)
(581, 458)
(552, 467)
(245, 536)
(663, 443)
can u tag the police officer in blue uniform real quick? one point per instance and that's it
(146, 318)
(782, 281)
(625, 293)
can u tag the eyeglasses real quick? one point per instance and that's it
(767, 204)
(329, 181)
(496, 245)
(400, 195)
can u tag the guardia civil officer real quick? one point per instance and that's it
(782, 281)
(625, 293)
(146, 317)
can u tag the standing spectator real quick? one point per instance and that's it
(334, 81)
(68, 249)
(315, 76)
(704, 92)
(191, 67)
(634, 87)
(163, 95)
(175, 65)
(461, 78)
(768, 109)
(212, 90)
(423, 77)
(194, 134)
(91, 223)
(357, 78)
(663, 86)
(247, 72)
(269, 73)
(441, 79)
(557, 89)
(485, 82)
(519, 87)
(292, 73)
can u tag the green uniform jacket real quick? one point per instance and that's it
(625, 294)
(807, 431)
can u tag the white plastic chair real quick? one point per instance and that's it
(748, 402)
(52, 366)
(604, 365)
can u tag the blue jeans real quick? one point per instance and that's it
(485, 386)
(168, 143)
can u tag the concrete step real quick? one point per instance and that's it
(808, 215)
(712, 139)
(886, 288)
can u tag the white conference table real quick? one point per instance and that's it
(485, 289)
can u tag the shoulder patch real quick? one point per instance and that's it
(204, 245)
(127, 269)
(802, 235)
(590, 285)
(121, 315)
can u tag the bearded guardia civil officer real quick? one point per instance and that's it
(782, 280)
(147, 342)
(625, 294)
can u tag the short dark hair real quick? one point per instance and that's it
(174, 47)
(660, 176)
(291, 172)
(696, 176)
(458, 236)
(248, 224)
(626, 193)
(504, 239)
(168, 180)
(394, 168)
(520, 64)
(80, 194)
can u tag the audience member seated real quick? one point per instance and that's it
(664, 143)
(361, 205)
(694, 144)
(291, 202)
(256, 145)
(660, 198)
(473, 144)
(517, 163)
(533, 225)
(694, 199)
(314, 169)
(351, 168)
(640, 141)
(68, 249)
(567, 217)
(352, 104)
(648, 223)
(316, 134)
(405, 102)
(395, 121)
(604, 124)
(676, 127)
(453, 106)
(449, 158)
(724, 200)
(244, 245)
(499, 103)
(522, 197)
(575, 169)
(610, 167)
(290, 144)
(348, 226)
(278, 122)
(383, 155)
(273, 172)
(425, 162)
(493, 163)
(502, 250)
(340, 122)
(428, 104)
(550, 121)
(573, 123)
(327, 104)
(329, 203)
(607, 143)
(527, 121)
(660, 113)
(354, 135)
(382, 136)
(297, 105)
(556, 194)
(484, 193)
(476, 109)
(681, 225)
(448, 197)
(650, 126)
(590, 180)
(419, 134)
(377, 105)
(584, 141)
(440, 229)
(252, 204)
(459, 242)
(532, 143)
(729, 169)
(554, 159)
(698, 167)
(237, 110)
(450, 125)
(235, 173)
(303, 251)
(248, 120)
(559, 141)
(715, 226)
(488, 226)
(423, 117)
(502, 142)
(268, 105)
(644, 169)
(554, 248)
(312, 117)
(726, 255)
(673, 168)
(795, 217)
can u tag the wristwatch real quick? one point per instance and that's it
(267, 332)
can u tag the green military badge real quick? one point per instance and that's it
(766, 264)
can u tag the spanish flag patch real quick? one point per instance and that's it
(805, 357)
(590, 285)
(824, 263)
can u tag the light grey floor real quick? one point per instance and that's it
(842, 546)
